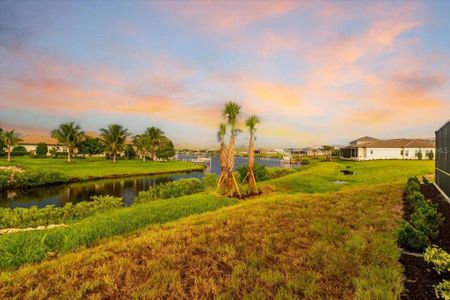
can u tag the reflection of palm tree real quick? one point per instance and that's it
(156, 136)
(231, 114)
(223, 155)
(11, 140)
(68, 134)
(114, 137)
(251, 124)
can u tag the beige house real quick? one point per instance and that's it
(369, 148)
(30, 143)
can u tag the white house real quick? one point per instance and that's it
(369, 148)
(30, 142)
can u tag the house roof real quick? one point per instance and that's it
(364, 139)
(397, 143)
(36, 139)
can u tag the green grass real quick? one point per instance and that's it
(99, 167)
(300, 246)
(17, 249)
(321, 177)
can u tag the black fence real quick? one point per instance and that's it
(443, 158)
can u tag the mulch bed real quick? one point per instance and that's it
(419, 276)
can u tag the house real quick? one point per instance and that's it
(443, 158)
(369, 148)
(30, 142)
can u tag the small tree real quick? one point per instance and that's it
(166, 150)
(41, 149)
(68, 134)
(329, 151)
(11, 140)
(114, 137)
(419, 155)
(430, 155)
(91, 146)
(129, 152)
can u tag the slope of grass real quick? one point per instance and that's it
(31, 246)
(313, 246)
(99, 167)
(321, 177)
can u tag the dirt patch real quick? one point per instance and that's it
(14, 230)
(420, 278)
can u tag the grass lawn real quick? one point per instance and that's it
(99, 167)
(311, 238)
(336, 245)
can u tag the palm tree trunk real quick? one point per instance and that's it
(251, 165)
(223, 164)
(69, 150)
(114, 157)
(9, 153)
(232, 185)
(143, 157)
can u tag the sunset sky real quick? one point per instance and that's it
(315, 72)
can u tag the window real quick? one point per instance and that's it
(371, 151)
(406, 153)
(401, 152)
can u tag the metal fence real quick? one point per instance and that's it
(443, 158)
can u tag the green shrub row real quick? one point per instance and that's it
(30, 178)
(34, 216)
(424, 221)
(172, 189)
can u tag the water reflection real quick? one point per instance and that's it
(127, 188)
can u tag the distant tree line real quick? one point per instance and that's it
(113, 142)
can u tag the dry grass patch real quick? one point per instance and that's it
(336, 245)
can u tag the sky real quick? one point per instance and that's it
(315, 72)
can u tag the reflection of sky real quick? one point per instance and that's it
(315, 72)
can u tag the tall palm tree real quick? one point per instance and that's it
(231, 114)
(142, 144)
(11, 140)
(68, 134)
(223, 154)
(251, 123)
(114, 137)
(156, 136)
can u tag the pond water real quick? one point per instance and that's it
(127, 188)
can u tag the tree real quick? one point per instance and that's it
(166, 150)
(129, 151)
(329, 151)
(223, 155)
(142, 144)
(11, 140)
(231, 114)
(41, 149)
(68, 134)
(114, 137)
(251, 123)
(419, 155)
(2, 143)
(91, 146)
(156, 136)
(430, 155)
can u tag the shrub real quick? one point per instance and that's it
(19, 151)
(415, 197)
(305, 161)
(439, 258)
(442, 290)
(41, 149)
(409, 236)
(34, 216)
(260, 172)
(172, 189)
(430, 155)
(413, 184)
(210, 180)
(4, 179)
(35, 178)
(419, 155)
(427, 219)
(279, 172)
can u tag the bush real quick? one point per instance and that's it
(305, 162)
(35, 178)
(279, 172)
(172, 189)
(413, 184)
(430, 155)
(439, 258)
(41, 149)
(426, 219)
(414, 198)
(210, 180)
(259, 170)
(4, 179)
(19, 151)
(409, 236)
(442, 290)
(33, 216)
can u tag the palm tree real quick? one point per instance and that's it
(156, 136)
(68, 134)
(231, 114)
(114, 137)
(251, 123)
(223, 154)
(142, 144)
(329, 151)
(11, 140)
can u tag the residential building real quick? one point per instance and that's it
(369, 148)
